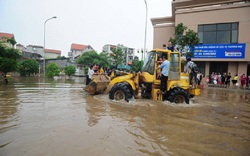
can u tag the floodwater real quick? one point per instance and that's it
(60, 119)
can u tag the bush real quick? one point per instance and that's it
(70, 70)
(52, 70)
(28, 67)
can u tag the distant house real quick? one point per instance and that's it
(36, 49)
(108, 48)
(77, 50)
(51, 53)
(7, 37)
(19, 47)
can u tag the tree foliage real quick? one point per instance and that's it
(8, 58)
(70, 70)
(60, 57)
(92, 57)
(28, 67)
(12, 41)
(184, 39)
(52, 70)
(117, 56)
(104, 59)
(136, 65)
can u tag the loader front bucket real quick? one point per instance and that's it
(98, 84)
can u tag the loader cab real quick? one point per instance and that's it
(150, 64)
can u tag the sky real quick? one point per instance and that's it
(88, 22)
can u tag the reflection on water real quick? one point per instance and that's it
(8, 108)
(59, 118)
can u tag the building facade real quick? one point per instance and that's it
(107, 48)
(32, 49)
(223, 31)
(129, 53)
(38, 50)
(51, 53)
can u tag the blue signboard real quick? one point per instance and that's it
(220, 51)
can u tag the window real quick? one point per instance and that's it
(209, 37)
(174, 62)
(149, 64)
(218, 33)
(218, 67)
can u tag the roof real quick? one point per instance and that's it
(35, 46)
(113, 46)
(52, 51)
(19, 44)
(80, 47)
(6, 35)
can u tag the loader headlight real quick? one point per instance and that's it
(179, 85)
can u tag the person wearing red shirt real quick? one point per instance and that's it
(243, 80)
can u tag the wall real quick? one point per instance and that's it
(61, 63)
(51, 55)
(162, 34)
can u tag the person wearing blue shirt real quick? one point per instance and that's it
(164, 69)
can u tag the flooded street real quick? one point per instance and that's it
(60, 119)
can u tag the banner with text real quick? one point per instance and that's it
(220, 51)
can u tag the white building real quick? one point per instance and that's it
(35, 49)
(77, 50)
(128, 52)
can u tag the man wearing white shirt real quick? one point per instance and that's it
(165, 69)
(89, 75)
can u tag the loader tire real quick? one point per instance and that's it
(120, 91)
(191, 96)
(178, 95)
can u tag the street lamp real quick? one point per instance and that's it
(145, 28)
(44, 48)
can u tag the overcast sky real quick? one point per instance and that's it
(89, 22)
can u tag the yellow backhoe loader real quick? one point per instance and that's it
(125, 86)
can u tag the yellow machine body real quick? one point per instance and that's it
(146, 82)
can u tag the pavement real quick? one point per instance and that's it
(233, 88)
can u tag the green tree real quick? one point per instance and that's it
(28, 67)
(117, 56)
(70, 70)
(8, 59)
(136, 65)
(184, 39)
(92, 57)
(60, 57)
(88, 58)
(52, 70)
(104, 59)
(12, 41)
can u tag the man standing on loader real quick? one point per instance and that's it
(164, 77)
(192, 68)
